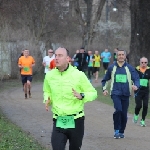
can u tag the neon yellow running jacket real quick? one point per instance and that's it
(58, 87)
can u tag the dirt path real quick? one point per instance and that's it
(31, 116)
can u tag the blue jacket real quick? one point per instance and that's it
(122, 79)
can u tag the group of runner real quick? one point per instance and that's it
(66, 89)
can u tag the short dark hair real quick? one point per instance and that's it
(121, 50)
(82, 48)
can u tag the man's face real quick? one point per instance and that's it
(81, 50)
(89, 52)
(143, 62)
(121, 56)
(96, 52)
(50, 52)
(77, 51)
(106, 50)
(26, 52)
(61, 57)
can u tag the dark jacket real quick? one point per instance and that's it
(118, 87)
(81, 59)
(145, 75)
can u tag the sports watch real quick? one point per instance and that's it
(82, 95)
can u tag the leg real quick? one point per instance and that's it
(59, 138)
(24, 82)
(89, 74)
(117, 114)
(125, 105)
(138, 102)
(96, 74)
(29, 80)
(76, 135)
(145, 105)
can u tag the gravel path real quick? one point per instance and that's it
(31, 116)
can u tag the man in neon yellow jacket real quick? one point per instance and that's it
(67, 89)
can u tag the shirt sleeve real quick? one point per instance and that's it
(106, 78)
(135, 77)
(87, 88)
(46, 89)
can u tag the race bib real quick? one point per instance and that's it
(121, 78)
(143, 82)
(65, 122)
(105, 60)
(26, 69)
(97, 64)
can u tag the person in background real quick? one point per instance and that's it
(105, 55)
(47, 60)
(122, 77)
(115, 54)
(90, 64)
(26, 63)
(96, 65)
(142, 94)
(81, 59)
(75, 62)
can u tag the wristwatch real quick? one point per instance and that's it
(82, 95)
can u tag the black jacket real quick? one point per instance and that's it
(81, 59)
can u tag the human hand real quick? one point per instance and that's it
(105, 92)
(76, 94)
(134, 87)
(47, 105)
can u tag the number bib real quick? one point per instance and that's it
(26, 69)
(65, 122)
(121, 78)
(97, 64)
(143, 82)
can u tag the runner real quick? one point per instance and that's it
(106, 55)
(115, 54)
(81, 58)
(66, 89)
(75, 61)
(47, 60)
(96, 65)
(26, 63)
(90, 64)
(142, 94)
(122, 75)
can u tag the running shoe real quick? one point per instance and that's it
(135, 118)
(142, 123)
(116, 134)
(121, 135)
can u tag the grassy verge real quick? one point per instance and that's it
(108, 100)
(11, 136)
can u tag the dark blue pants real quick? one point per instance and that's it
(121, 104)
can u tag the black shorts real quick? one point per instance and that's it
(105, 65)
(26, 78)
(95, 69)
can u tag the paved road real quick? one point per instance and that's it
(31, 116)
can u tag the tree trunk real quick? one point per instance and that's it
(140, 30)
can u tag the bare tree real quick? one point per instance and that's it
(88, 24)
(140, 30)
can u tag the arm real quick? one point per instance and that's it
(87, 88)
(106, 78)
(43, 63)
(46, 93)
(33, 62)
(135, 78)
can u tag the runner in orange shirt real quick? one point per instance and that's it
(26, 63)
